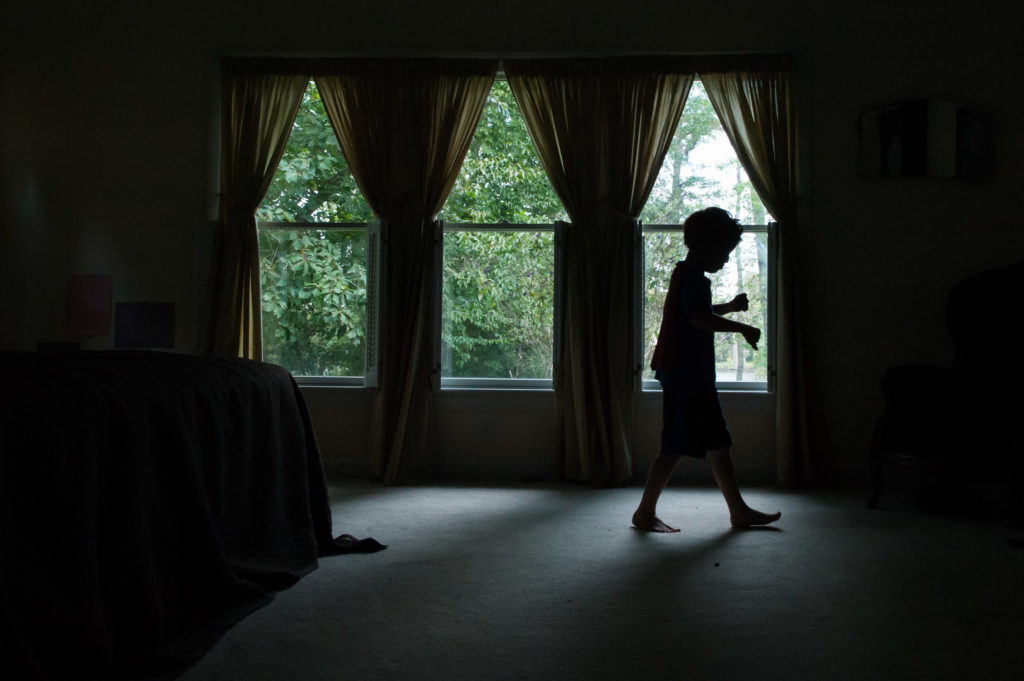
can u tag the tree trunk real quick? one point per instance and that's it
(739, 271)
(674, 200)
(762, 274)
(739, 338)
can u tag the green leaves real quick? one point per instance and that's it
(498, 304)
(314, 281)
(498, 299)
(661, 252)
(314, 300)
(313, 182)
(690, 180)
(502, 179)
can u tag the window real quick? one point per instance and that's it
(497, 256)
(701, 170)
(497, 317)
(317, 258)
(497, 259)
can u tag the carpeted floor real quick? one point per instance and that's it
(551, 582)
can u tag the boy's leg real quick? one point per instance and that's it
(657, 477)
(740, 514)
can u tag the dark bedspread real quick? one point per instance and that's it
(149, 501)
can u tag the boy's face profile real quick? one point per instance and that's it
(719, 260)
(712, 260)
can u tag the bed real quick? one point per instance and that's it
(150, 500)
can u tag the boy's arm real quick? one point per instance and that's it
(706, 319)
(737, 304)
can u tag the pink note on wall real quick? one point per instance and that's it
(89, 304)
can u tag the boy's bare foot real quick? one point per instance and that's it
(651, 523)
(749, 517)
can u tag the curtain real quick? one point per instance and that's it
(258, 112)
(756, 108)
(404, 127)
(602, 128)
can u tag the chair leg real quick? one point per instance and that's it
(1015, 502)
(875, 471)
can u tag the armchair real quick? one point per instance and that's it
(963, 422)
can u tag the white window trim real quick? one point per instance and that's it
(452, 383)
(375, 261)
(768, 386)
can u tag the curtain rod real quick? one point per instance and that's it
(697, 62)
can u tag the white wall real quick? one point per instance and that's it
(109, 166)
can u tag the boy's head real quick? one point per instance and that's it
(710, 236)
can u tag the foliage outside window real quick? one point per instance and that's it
(497, 290)
(498, 256)
(746, 271)
(701, 170)
(313, 275)
(498, 304)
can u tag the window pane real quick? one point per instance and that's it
(746, 272)
(313, 182)
(313, 281)
(497, 305)
(502, 179)
(314, 300)
(701, 170)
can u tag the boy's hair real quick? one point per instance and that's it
(711, 229)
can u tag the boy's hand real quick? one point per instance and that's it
(739, 303)
(752, 335)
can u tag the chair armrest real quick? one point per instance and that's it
(919, 389)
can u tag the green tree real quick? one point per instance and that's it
(745, 272)
(498, 304)
(502, 179)
(682, 188)
(314, 300)
(679, 190)
(498, 285)
(498, 319)
(313, 280)
(313, 182)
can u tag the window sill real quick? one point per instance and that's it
(496, 399)
(502, 384)
(734, 401)
(328, 386)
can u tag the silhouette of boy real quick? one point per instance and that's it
(684, 364)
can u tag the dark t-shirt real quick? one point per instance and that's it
(684, 357)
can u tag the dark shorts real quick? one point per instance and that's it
(693, 424)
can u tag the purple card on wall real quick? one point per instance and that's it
(89, 304)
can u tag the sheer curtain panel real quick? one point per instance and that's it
(757, 110)
(404, 126)
(602, 128)
(258, 110)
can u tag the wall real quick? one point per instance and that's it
(109, 115)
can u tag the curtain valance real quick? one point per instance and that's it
(612, 64)
(639, 65)
(340, 66)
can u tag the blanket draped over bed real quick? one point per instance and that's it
(150, 500)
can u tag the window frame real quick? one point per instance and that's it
(375, 260)
(766, 387)
(447, 383)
